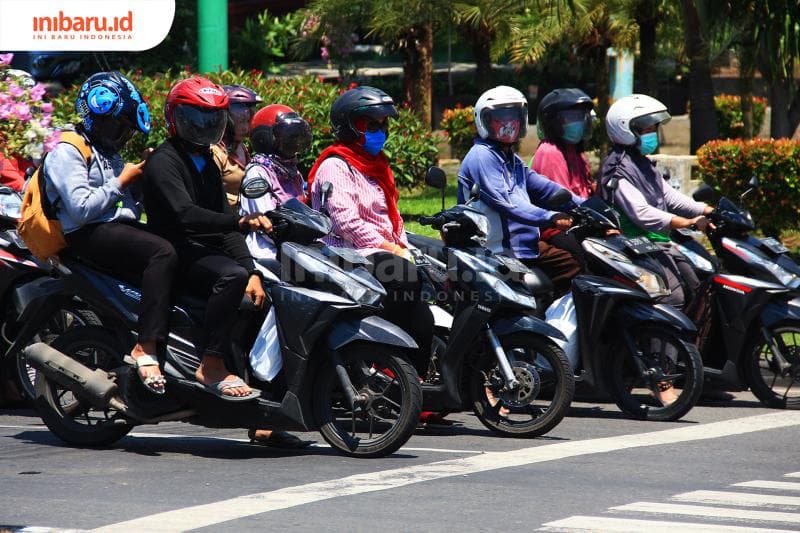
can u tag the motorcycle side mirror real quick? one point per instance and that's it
(704, 193)
(29, 172)
(435, 177)
(474, 191)
(754, 183)
(325, 193)
(666, 174)
(559, 199)
(255, 188)
(612, 184)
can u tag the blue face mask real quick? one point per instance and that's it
(374, 141)
(648, 143)
(573, 132)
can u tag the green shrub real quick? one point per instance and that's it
(411, 146)
(459, 123)
(729, 115)
(729, 165)
(264, 41)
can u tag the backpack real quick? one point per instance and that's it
(38, 225)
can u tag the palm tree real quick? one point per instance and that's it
(702, 116)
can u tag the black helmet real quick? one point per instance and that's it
(361, 101)
(111, 109)
(560, 100)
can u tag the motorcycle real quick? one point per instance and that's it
(626, 344)
(344, 371)
(748, 317)
(494, 358)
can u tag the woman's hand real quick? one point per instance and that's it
(702, 223)
(255, 291)
(255, 222)
(131, 173)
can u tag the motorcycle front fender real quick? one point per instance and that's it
(776, 311)
(505, 326)
(371, 329)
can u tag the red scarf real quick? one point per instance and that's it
(373, 166)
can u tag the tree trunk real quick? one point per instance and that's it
(482, 50)
(417, 56)
(601, 79)
(746, 74)
(647, 52)
(702, 117)
(780, 98)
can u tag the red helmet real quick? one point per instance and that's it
(196, 111)
(278, 129)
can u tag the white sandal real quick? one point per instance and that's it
(149, 382)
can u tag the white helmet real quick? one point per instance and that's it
(629, 115)
(501, 114)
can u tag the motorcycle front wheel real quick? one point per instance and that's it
(775, 386)
(661, 381)
(547, 386)
(386, 420)
(71, 419)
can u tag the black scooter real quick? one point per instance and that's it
(344, 369)
(749, 318)
(496, 358)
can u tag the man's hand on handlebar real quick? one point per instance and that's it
(561, 221)
(255, 222)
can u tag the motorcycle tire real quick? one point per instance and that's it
(622, 376)
(391, 414)
(70, 419)
(61, 322)
(556, 384)
(758, 362)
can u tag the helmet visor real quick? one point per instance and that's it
(111, 133)
(506, 124)
(242, 115)
(292, 136)
(640, 124)
(199, 126)
(375, 112)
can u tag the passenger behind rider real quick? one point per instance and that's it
(363, 208)
(511, 194)
(647, 204)
(278, 134)
(186, 204)
(231, 154)
(99, 209)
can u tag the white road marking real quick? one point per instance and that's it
(150, 434)
(707, 511)
(222, 511)
(762, 484)
(793, 474)
(602, 523)
(742, 499)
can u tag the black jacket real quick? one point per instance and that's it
(184, 205)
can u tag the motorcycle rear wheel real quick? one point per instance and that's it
(776, 389)
(69, 418)
(389, 418)
(546, 408)
(634, 394)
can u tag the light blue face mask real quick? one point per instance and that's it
(374, 141)
(573, 132)
(648, 143)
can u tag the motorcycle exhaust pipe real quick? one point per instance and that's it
(95, 386)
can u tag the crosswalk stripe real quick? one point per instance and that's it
(625, 525)
(793, 474)
(707, 511)
(742, 499)
(762, 484)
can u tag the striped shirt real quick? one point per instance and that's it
(357, 207)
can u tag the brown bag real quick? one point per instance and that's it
(38, 225)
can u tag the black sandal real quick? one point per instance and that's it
(279, 439)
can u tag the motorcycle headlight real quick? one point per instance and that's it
(505, 292)
(649, 281)
(596, 248)
(785, 277)
(697, 260)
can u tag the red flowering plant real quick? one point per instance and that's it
(27, 126)
(459, 124)
(728, 166)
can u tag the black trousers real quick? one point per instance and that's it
(680, 276)
(210, 275)
(136, 256)
(403, 305)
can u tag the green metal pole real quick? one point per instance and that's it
(212, 35)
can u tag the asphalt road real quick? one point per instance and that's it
(596, 471)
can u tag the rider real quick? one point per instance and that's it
(186, 204)
(231, 155)
(564, 119)
(646, 203)
(278, 134)
(510, 193)
(363, 207)
(99, 209)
